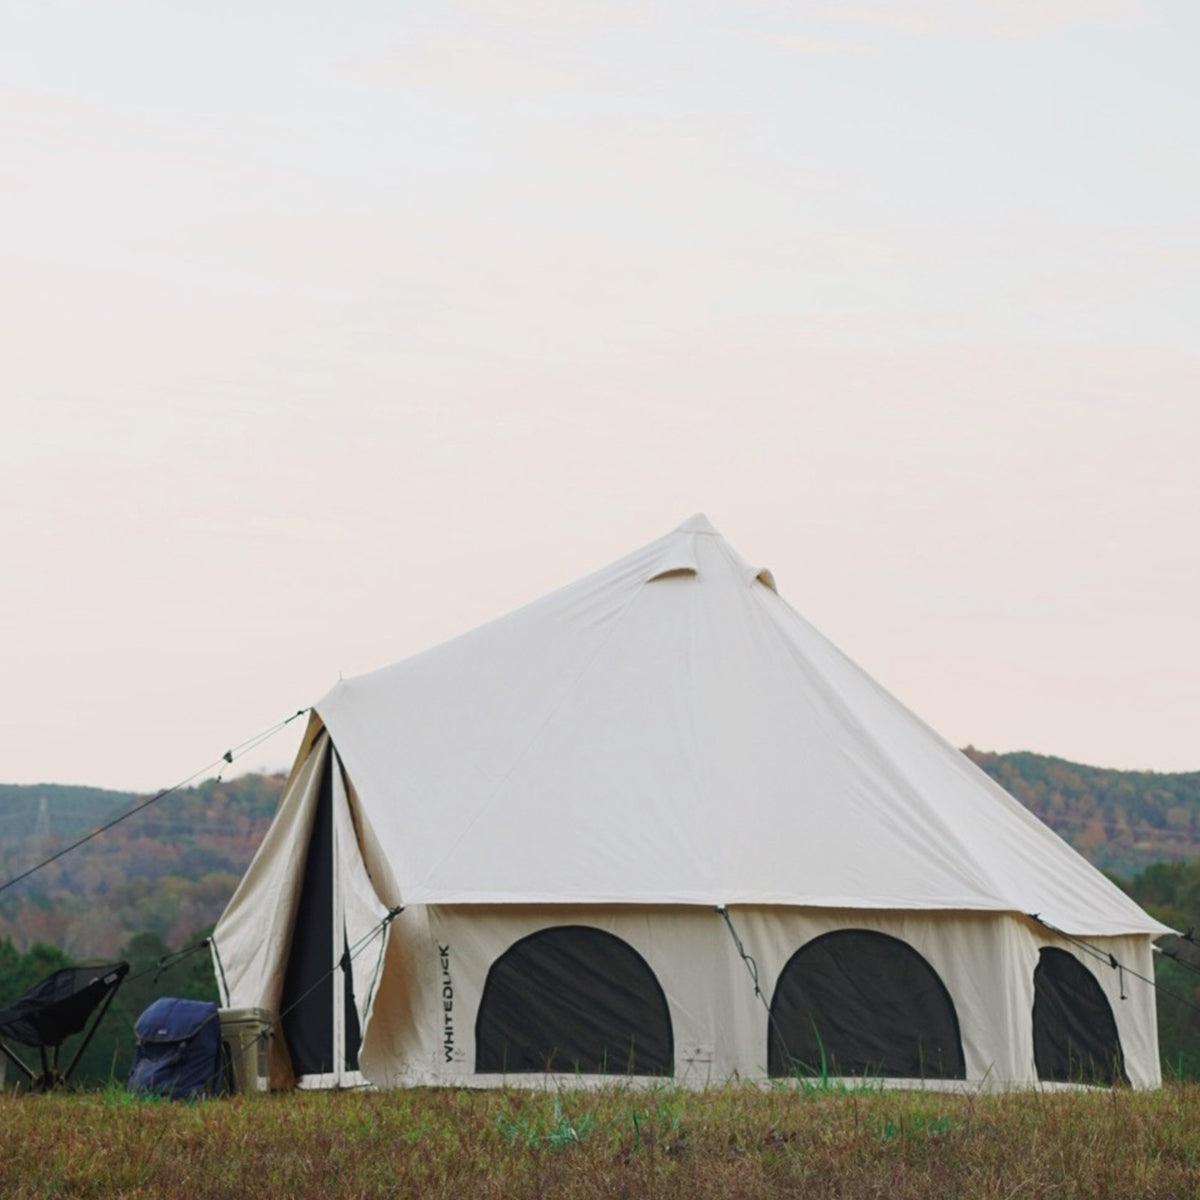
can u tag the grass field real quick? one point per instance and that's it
(725, 1142)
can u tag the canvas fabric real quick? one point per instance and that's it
(670, 731)
(635, 752)
(720, 1026)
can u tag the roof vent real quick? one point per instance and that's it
(678, 558)
(750, 573)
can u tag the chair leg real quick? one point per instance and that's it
(51, 1077)
(96, 1019)
(12, 1058)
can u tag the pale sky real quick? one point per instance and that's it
(329, 332)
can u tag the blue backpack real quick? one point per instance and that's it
(179, 1053)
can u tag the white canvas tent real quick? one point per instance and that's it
(655, 824)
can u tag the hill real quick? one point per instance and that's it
(56, 811)
(1120, 820)
(168, 870)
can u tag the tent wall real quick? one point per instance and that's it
(423, 1029)
(252, 940)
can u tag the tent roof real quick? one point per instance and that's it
(669, 730)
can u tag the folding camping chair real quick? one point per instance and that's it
(51, 1011)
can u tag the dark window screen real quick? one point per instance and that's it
(1075, 1037)
(856, 1002)
(573, 999)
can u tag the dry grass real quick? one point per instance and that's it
(726, 1142)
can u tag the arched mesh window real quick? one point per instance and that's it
(1075, 1036)
(856, 1002)
(577, 1000)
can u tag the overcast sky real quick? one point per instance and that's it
(329, 332)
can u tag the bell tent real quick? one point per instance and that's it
(654, 825)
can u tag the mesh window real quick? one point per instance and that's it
(576, 1000)
(1075, 1037)
(861, 1003)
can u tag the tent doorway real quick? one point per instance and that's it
(318, 1014)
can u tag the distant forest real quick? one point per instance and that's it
(160, 879)
(1120, 820)
(168, 871)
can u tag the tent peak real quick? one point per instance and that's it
(681, 555)
(698, 523)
